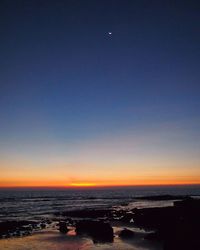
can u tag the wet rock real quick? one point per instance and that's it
(43, 225)
(63, 227)
(26, 233)
(99, 231)
(127, 217)
(16, 228)
(87, 213)
(48, 221)
(154, 236)
(69, 222)
(18, 233)
(27, 227)
(177, 226)
(124, 204)
(126, 234)
(188, 204)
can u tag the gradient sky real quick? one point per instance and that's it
(81, 106)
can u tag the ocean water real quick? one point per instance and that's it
(36, 204)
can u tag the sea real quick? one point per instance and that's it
(44, 203)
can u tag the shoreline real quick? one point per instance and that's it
(52, 239)
(153, 228)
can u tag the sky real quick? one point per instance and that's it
(99, 92)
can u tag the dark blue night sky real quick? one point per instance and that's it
(69, 86)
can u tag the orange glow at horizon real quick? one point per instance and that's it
(19, 175)
(113, 183)
(83, 184)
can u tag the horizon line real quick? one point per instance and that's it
(99, 186)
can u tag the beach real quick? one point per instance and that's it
(53, 240)
(127, 218)
(99, 125)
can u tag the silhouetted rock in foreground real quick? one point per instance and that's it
(16, 228)
(99, 231)
(21, 228)
(105, 214)
(177, 226)
(63, 227)
(87, 213)
(126, 234)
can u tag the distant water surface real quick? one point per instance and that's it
(43, 203)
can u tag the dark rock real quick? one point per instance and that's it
(177, 226)
(69, 222)
(16, 228)
(162, 197)
(152, 236)
(99, 231)
(43, 225)
(48, 221)
(18, 233)
(127, 217)
(87, 213)
(26, 233)
(188, 204)
(154, 217)
(126, 233)
(100, 214)
(63, 227)
(27, 227)
(124, 204)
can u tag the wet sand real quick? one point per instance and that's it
(53, 240)
(45, 240)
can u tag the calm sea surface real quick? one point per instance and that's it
(36, 204)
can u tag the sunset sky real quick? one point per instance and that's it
(100, 92)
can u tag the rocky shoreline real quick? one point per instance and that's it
(21, 228)
(176, 227)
